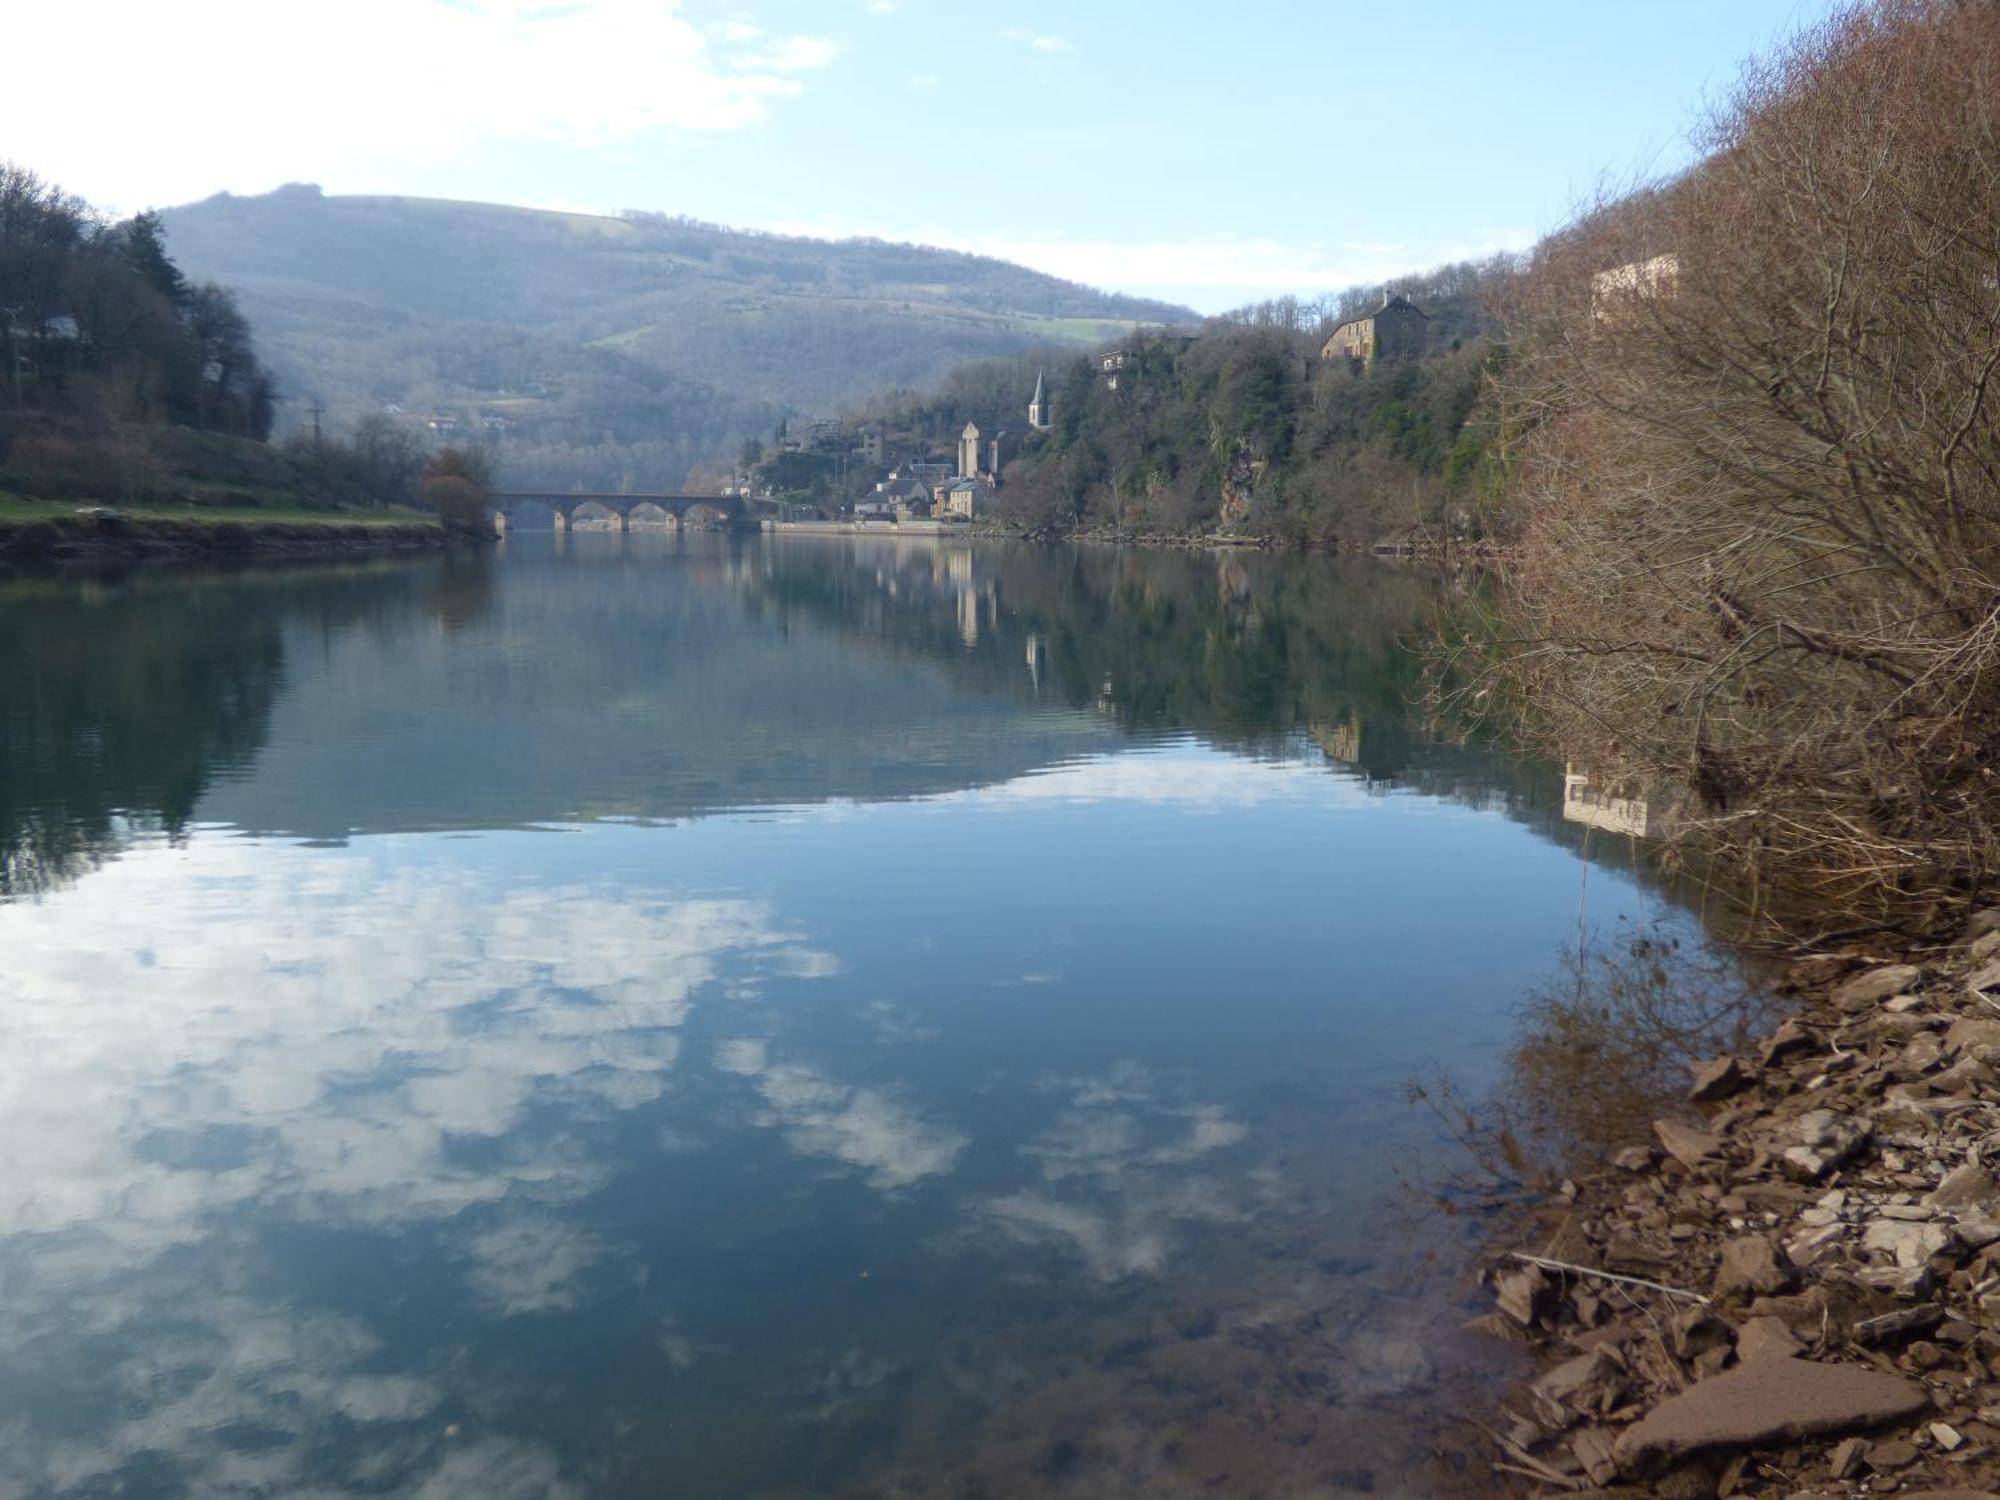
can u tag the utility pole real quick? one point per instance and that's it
(13, 354)
(316, 411)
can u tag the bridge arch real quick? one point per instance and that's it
(597, 515)
(651, 515)
(523, 508)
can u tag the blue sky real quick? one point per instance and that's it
(1209, 154)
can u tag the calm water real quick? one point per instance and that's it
(642, 1017)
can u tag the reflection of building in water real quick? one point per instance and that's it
(1614, 806)
(1037, 654)
(1341, 742)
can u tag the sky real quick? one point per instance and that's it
(1207, 154)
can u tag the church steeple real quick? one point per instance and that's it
(1038, 409)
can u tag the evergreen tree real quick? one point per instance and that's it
(143, 243)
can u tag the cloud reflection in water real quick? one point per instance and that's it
(229, 1035)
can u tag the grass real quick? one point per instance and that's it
(1073, 330)
(623, 340)
(15, 508)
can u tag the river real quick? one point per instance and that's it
(716, 1017)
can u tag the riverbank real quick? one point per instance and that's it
(40, 536)
(1794, 1288)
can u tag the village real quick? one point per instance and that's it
(831, 472)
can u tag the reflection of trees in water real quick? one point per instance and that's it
(122, 699)
(1252, 652)
(1606, 1044)
(117, 704)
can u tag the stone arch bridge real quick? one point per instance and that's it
(711, 510)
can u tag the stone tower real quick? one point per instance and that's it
(1038, 409)
(968, 451)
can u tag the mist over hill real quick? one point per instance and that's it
(606, 351)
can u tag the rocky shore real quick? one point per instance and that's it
(1794, 1290)
(84, 539)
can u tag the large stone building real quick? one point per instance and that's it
(1623, 291)
(982, 457)
(1395, 330)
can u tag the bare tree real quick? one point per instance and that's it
(1756, 453)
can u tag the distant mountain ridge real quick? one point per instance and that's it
(602, 351)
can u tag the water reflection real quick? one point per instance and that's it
(733, 1019)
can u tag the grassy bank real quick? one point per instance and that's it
(16, 509)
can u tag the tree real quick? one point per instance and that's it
(1757, 468)
(142, 243)
(457, 483)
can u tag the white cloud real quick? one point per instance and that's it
(1211, 273)
(352, 1017)
(249, 95)
(314, 1036)
(1039, 41)
(894, 1144)
(1239, 267)
(1179, 776)
(530, 1265)
(1116, 1195)
(795, 54)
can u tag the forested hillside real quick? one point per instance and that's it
(1242, 425)
(607, 351)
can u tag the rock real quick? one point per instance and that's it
(1826, 1139)
(1526, 1296)
(1975, 1036)
(1949, 1495)
(1767, 1338)
(1717, 1080)
(1787, 1039)
(1975, 1230)
(1888, 1457)
(1687, 1145)
(1907, 1282)
(1752, 1267)
(1579, 1375)
(1593, 1449)
(1772, 1401)
(1946, 1437)
(1846, 1458)
(1877, 985)
(1900, 1324)
(1497, 1326)
(1633, 1159)
(1924, 1052)
(1964, 1186)
(1966, 1078)
(1985, 978)
(1627, 1254)
(1697, 1331)
(1912, 1245)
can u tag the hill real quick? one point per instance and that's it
(597, 350)
(1241, 425)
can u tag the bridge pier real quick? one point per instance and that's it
(559, 518)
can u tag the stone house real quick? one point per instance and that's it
(1395, 330)
(965, 499)
(1616, 293)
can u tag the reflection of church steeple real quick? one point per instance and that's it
(1038, 409)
